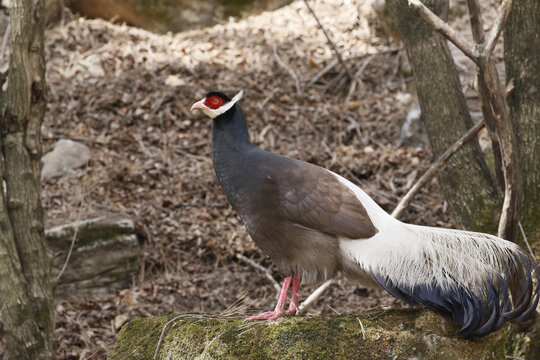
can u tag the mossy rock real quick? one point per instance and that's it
(104, 257)
(392, 334)
(172, 15)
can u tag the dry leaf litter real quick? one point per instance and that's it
(126, 93)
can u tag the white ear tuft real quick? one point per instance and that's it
(238, 96)
(227, 106)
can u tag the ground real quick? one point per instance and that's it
(126, 93)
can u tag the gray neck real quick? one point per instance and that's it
(230, 147)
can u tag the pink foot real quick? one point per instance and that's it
(279, 310)
(269, 315)
(292, 310)
(293, 303)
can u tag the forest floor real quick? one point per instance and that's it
(126, 93)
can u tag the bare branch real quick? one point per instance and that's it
(477, 28)
(440, 26)
(330, 42)
(435, 167)
(525, 239)
(504, 10)
(495, 93)
(176, 318)
(311, 299)
(512, 182)
(260, 268)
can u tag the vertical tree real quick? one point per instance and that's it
(25, 285)
(466, 182)
(522, 60)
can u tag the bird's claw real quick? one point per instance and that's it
(269, 315)
(292, 310)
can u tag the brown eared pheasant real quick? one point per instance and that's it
(314, 223)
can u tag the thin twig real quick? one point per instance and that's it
(261, 268)
(357, 79)
(101, 348)
(208, 344)
(333, 64)
(311, 299)
(73, 238)
(362, 327)
(435, 167)
(143, 147)
(525, 239)
(176, 318)
(503, 12)
(330, 42)
(71, 246)
(289, 70)
(438, 25)
(194, 145)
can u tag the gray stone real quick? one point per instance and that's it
(412, 131)
(66, 156)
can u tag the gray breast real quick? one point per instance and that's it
(306, 253)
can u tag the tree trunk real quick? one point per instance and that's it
(25, 286)
(466, 182)
(522, 59)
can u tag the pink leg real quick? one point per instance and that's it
(293, 304)
(278, 311)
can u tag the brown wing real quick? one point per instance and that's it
(311, 197)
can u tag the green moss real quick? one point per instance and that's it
(138, 338)
(393, 334)
(166, 15)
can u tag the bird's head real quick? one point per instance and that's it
(216, 103)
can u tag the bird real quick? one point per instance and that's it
(314, 224)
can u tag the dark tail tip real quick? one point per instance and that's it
(508, 297)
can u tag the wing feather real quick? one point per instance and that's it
(312, 198)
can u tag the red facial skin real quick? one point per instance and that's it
(214, 102)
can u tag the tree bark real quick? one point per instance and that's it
(466, 182)
(25, 285)
(522, 59)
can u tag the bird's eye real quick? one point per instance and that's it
(214, 102)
